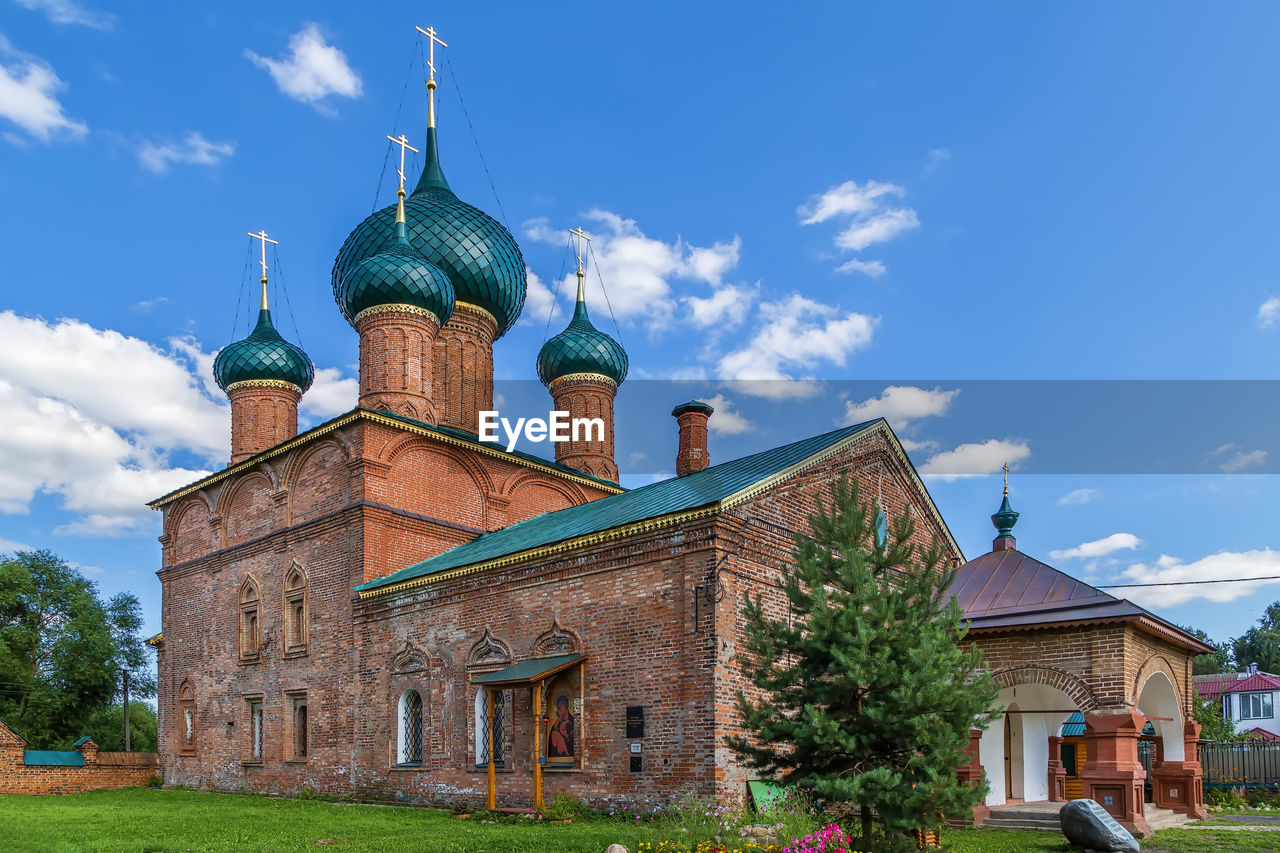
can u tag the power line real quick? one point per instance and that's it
(1186, 583)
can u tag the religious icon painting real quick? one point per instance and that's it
(563, 709)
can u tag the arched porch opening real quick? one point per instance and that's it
(1021, 746)
(1158, 702)
(1176, 780)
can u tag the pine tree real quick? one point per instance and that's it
(867, 694)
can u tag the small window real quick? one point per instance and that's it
(256, 724)
(295, 612)
(482, 727)
(250, 631)
(1069, 759)
(298, 737)
(1256, 706)
(881, 529)
(409, 749)
(186, 720)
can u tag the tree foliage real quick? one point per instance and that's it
(866, 692)
(106, 726)
(1261, 643)
(62, 647)
(1219, 661)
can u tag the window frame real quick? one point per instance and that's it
(1266, 705)
(249, 622)
(187, 720)
(296, 702)
(296, 612)
(409, 705)
(480, 724)
(255, 729)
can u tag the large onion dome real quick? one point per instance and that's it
(264, 355)
(397, 275)
(479, 256)
(582, 348)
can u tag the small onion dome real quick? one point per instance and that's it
(264, 355)
(692, 406)
(397, 275)
(582, 348)
(479, 256)
(1005, 518)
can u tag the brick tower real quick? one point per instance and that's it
(692, 454)
(397, 301)
(264, 376)
(582, 367)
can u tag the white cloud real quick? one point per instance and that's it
(1078, 496)
(1242, 460)
(1269, 312)
(144, 305)
(935, 158)
(976, 458)
(900, 405)
(539, 303)
(8, 546)
(312, 71)
(330, 395)
(875, 269)
(1224, 564)
(874, 216)
(725, 420)
(28, 97)
(640, 271)
(798, 335)
(194, 148)
(70, 12)
(1099, 547)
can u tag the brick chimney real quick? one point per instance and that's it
(692, 456)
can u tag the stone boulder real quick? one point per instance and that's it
(1088, 826)
(616, 848)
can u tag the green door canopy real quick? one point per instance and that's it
(766, 794)
(529, 671)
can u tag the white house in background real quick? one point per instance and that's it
(1249, 699)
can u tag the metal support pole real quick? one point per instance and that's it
(125, 673)
(537, 744)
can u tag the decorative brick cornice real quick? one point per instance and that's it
(397, 308)
(264, 383)
(584, 378)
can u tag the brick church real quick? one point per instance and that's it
(386, 606)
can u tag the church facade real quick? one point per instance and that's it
(385, 606)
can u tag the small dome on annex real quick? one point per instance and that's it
(582, 348)
(263, 355)
(479, 255)
(397, 275)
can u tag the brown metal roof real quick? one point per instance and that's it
(1006, 589)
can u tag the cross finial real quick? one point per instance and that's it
(262, 236)
(1006, 479)
(581, 235)
(432, 40)
(403, 142)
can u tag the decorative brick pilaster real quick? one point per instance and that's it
(1057, 772)
(972, 773)
(264, 413)
(463, 367)
(1112, 776)
(396, 354)
(1179, 785)
(587, 395)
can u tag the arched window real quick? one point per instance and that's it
(409, 749)
(186, 719)
(295, 612)
(250, 630)
(300, 730)
(482, 726)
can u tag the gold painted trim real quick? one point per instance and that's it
(263, 383)
(396, 308)
(459, 305)
(642, 526)
(352, 417)
(582, 377)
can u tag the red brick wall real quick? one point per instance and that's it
(262, 416)
(583, 397)
(107, 770)
(396, 363)
(463, 378)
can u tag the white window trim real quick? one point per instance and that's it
(1266, 699)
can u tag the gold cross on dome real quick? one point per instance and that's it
(403, 142)
(262, 236)
(581, 235)
(432, 40)
(1006, 479)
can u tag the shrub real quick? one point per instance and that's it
(565, 807)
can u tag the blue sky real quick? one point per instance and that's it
(929, 200)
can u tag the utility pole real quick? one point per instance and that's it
(125, 673)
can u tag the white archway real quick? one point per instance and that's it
(1035, 712)
(1158, 701)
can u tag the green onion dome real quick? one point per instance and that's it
(264, 355)
(397, 275)
(479, 256)
(582, 348)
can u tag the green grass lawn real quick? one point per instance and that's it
(141, 819)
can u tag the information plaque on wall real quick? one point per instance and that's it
(635, 721)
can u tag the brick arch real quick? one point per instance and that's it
(556, 640)
(408, 442)
(1049, 677)
(523, 489)
(190, 532)
(1152, 665)
(311, 496)
(241, 521)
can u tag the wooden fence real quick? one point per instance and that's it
(1251, 764)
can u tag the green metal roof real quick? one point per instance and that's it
(474, 250)
(674, 495)
(581, 348)
(52, 758)
(529, 670)
(263, 355)
(397, 274)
